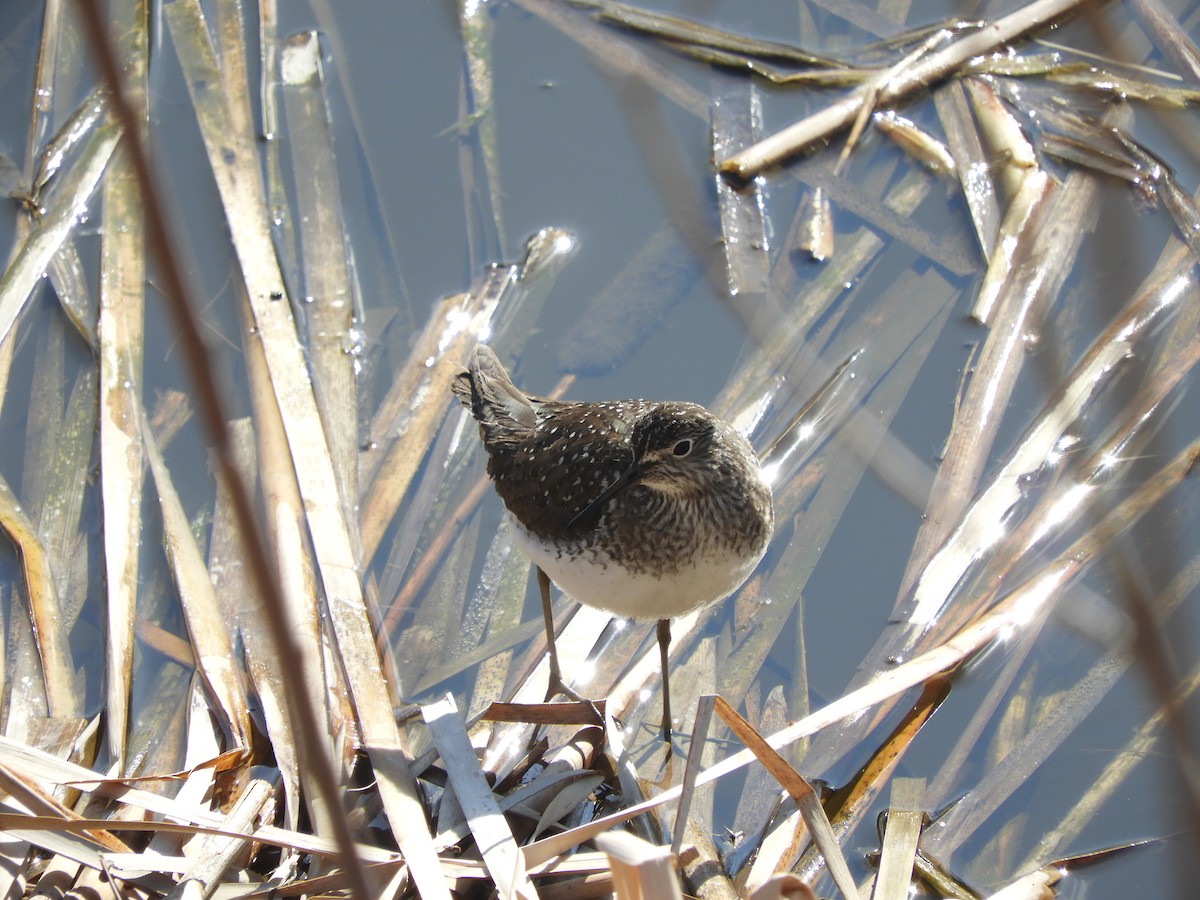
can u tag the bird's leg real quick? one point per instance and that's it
(556, 685)
(664, 644)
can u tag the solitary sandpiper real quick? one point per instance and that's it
(647, 510)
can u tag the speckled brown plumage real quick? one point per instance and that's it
(649, 510)
(550, 460)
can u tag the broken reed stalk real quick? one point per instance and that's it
(798, 137)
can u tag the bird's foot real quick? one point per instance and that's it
(558, 687)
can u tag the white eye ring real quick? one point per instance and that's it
(682, 448)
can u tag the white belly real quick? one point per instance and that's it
(602, 583)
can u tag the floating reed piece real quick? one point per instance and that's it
(640, 871)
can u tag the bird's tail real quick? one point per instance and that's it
(502, 410)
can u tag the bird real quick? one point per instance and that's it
(648, 510)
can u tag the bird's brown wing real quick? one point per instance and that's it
(575, 452)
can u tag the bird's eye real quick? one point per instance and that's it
(682, 448)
